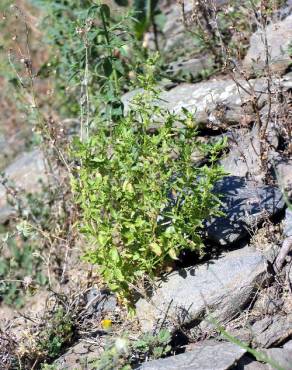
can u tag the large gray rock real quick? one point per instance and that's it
(279, 36)
(214, 103)
(245, 204)
(208, 355)
(222, 286)
(27, 173)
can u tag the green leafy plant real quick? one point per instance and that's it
(153, 346)
(58, 331)
(142, 198)
(47, 338)
(93, 50)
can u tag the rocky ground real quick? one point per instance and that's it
(240, 296)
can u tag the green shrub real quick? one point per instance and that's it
(44, 341)
(93, 54)
(58, 332)
(141, 197)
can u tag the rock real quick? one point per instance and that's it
(277, 358)
(191, 68)
(248, 363)
(272, 331)
(279, 36)
(224, 286)
(283, 172)
(281, 357)
(243, 158)
(288, 223)
(288, 345)
(27, 173)
(101, 301)
(177, 39)
(215, 103)
(245, 204)
(286, 81)
(12, 145)
(268, 302)
(79, 356)
(208, 355)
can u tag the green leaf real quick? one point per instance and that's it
(170, 230)
(114, 254)
(107, 67)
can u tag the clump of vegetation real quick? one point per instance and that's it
(55, 334)
(142, 198)
(123, 353)
(150, 346)
(21, 270)
(46, 341)
(95, 53)
(27, 245)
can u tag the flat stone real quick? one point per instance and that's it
(272, 331)
(209, 355)
(279, 36)
(27, 173)
(224, 286)
(245, 204)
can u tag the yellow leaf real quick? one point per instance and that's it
(127, 186)
(156, 249)
(172, 254)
